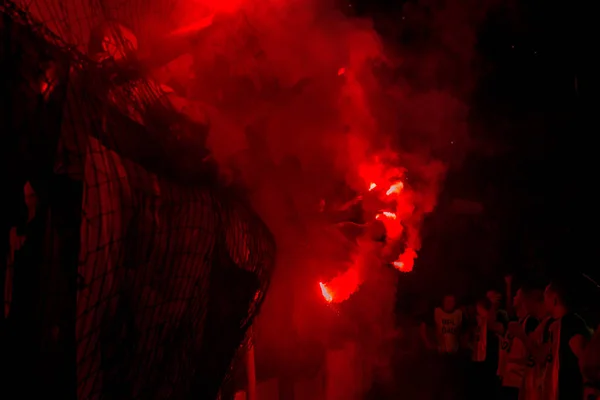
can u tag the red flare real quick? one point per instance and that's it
(325, 292)
(395, 188)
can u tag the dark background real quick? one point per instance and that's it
(532, 113)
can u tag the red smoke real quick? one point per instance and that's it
(338, 119)
(313, 114)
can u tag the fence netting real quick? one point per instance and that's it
(137, 275)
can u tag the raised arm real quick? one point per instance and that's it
(496, 324)
(508, 293)
(577, 345)
(425, 336)
(537, 350)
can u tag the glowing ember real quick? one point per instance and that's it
(406, 260)
(386, 214)
(400, 207)
(325, 292)
(342, 286)
(396, 188)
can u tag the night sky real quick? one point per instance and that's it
(532, 107)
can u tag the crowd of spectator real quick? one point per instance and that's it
(524, 344)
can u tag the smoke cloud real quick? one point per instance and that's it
(318, 118)
(314, 110)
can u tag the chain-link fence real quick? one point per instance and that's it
(137, 275)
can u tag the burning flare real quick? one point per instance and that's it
(341, 287)
(385, 184)
(325, 292)
(396, 188)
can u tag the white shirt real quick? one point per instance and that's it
(448, 329)
(480, 340)
(512, 359)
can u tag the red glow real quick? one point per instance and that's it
(325, 292)
(398, 220)
(250, 76)
(341, 287)
(351, 122)
(386, 214)
(396, 188)
(399, 265)
(406, 260)
(193, 27)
